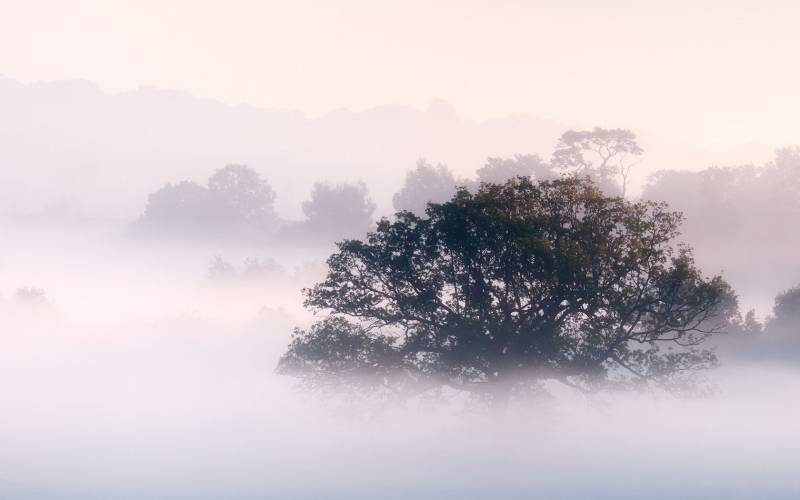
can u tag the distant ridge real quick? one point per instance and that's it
(70, 140)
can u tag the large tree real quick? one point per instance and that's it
(517, 283)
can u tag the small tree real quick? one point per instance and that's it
(515, 284)
(34, 298)
(601, 154)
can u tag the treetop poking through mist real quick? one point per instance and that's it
(500, 170)
(243, 190)
(786, 312)
(335, 210)
(423, 185)
(515, 283)
(237, 201)
(602, 154)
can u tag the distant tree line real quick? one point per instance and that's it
(785, 318)
(237, 203)
(744, 219)
(605, 156)
(532, 270)
(740, 219)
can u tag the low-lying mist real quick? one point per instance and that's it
(136, 370)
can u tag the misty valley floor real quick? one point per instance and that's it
(139, 377)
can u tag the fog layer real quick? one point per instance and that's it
(138, 373)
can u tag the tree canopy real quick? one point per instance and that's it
(343, 210)
(423, 185)
(740, 218)
(497, 290)
(605, 155)
(499, 170)
(236, 202)
(244, 191)
(786, 312)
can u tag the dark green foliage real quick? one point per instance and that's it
(515, 283)
(335, 352)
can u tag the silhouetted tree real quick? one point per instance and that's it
(243, 190)
(785, 313)
(601, 154)
(749, 325)
(424, 184)
(186, 208)
(737, 213)
(517, 283)
(344, 210)
(716, 200)
(500, 170)
(237, 202)
(782, 175)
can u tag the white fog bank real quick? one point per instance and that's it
(138, 377)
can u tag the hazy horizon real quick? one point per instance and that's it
(684, 71)
(149, 136)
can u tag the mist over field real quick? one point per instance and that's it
(139, 376)
(265, 250)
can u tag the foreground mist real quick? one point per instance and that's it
(138, 373)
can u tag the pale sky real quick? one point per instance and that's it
(717, 73)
